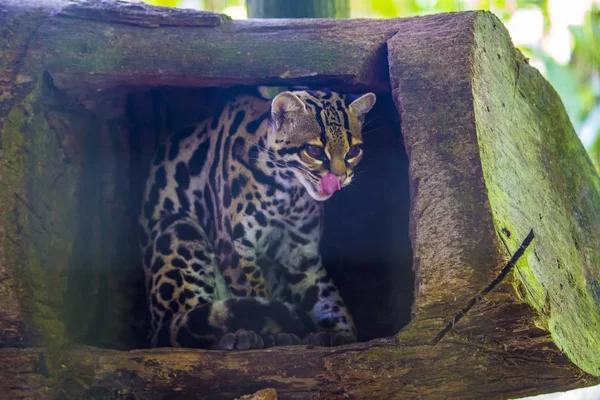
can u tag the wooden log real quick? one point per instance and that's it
(504, 219)
(349, 53)
(16, 29)
(508, 123)
(377, 370)
(538, 176)
(141, 14)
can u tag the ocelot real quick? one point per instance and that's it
(232, 218)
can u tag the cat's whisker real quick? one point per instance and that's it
(259, 146)
(371, 130)
(280, 163)
(371, 121)
(302, 168)
(268, 159)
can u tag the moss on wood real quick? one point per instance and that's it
(27, 235)
(538, 176)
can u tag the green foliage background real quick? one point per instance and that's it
(577, 81)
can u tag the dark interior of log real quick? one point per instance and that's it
(366, 246)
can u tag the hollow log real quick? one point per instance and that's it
(504, 218)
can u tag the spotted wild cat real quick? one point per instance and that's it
(232, 219)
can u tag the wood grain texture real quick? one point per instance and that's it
(480, 129)
(41, 174)
(378, 370)
(538, 176)
(19, 23)
(452, 232)
(348, 53)
(124, 12)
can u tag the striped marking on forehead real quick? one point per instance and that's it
(331, 107)
(332, 116)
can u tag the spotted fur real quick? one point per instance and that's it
(232, 218)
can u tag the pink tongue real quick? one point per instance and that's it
(330, 184)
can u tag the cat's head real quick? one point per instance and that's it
(318, 136)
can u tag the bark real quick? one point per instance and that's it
(349, 54)
(298, 9)
(377, 370)
(505, 222)
(138, 14)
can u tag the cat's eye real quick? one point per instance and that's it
(353, 152)
(315, 151)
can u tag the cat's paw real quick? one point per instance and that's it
(281, 339)
(328, 339)
(240, 340)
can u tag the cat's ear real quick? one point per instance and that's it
(284, 106)
(362, 105)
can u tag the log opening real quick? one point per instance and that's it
(365, 247)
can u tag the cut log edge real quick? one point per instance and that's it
(141, 14)
(360, 370)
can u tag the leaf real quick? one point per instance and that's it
(163, 3)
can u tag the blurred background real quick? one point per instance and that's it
(561, 38)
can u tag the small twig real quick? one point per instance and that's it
(507, 268)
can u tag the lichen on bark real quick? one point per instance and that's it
(538, 176)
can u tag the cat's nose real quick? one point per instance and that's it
(338, 168)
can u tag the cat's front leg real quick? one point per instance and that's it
(242, 274)
(315, 293)
(245, 279)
